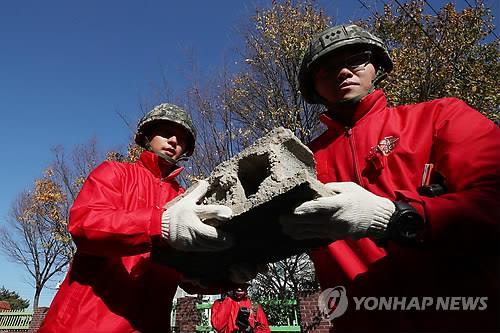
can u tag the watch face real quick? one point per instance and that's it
(410, 225)
(406, 226)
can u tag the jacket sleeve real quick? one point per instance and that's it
(466, 152)
(99, 223)
(262, 325)
(223, 317)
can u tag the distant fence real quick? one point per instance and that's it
(15, 320)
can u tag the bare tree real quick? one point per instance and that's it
(218, 135)
(231, 110)
(265, 93)
(285, 280)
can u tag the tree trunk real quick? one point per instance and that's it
(38, 291)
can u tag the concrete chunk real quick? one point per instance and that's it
(264, 181)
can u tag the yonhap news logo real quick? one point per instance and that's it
(333, 302)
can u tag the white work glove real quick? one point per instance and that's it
(183, 228)
(351, 213)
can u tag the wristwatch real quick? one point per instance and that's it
(406, 226)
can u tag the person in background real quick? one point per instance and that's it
(118, 216)
(414, 210)
(235, 313)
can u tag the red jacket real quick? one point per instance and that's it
(460, 256)
(224, 313)
(113, 286)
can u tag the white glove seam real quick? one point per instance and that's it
(165, 225)
(382, 215)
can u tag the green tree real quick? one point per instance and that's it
(13, 298)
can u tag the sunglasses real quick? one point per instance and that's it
(354, 63)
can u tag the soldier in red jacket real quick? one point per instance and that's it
(113, 285)
(235, 313)
(415, 212)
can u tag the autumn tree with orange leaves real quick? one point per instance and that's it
(233, 109)
(265, 93)
(38, 237)
(441, 53)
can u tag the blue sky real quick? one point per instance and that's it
(67, 67)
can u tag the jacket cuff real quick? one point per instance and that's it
(413, 199)
(155, 225)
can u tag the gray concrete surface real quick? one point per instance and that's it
(264, 181)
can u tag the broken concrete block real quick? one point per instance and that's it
(264, 181)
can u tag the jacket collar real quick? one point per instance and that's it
(150, 161)
(369, 104)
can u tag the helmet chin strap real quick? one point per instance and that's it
(379, 76)
(167, 158)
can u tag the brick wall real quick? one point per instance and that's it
(186, 315)
(38, 317)
(310, 316)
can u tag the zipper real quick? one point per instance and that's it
(160, 194)
(350, 138)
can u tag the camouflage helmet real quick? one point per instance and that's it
(166, 112)
(333, 39)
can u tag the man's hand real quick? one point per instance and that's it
(183, 228)
(352, 212)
